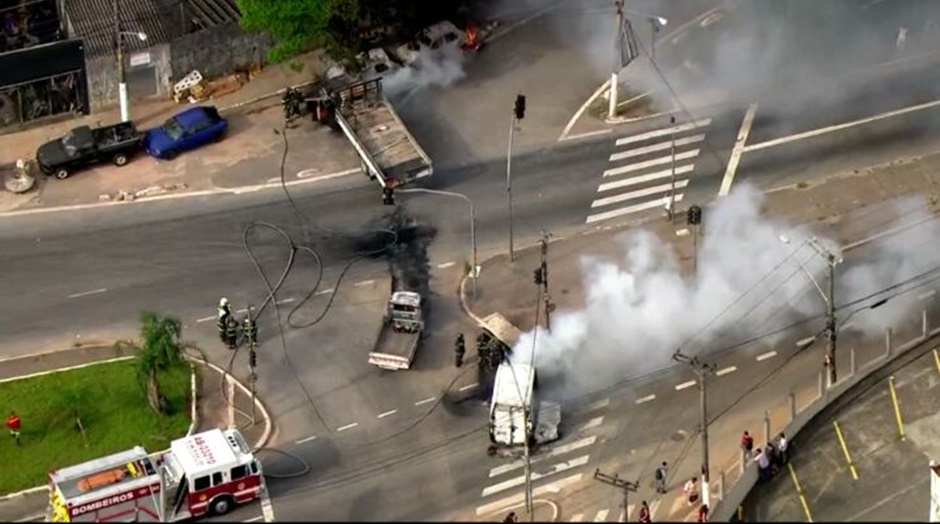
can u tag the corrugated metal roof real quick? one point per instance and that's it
(93, 21)
(209, 13)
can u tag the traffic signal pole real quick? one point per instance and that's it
(518, 115)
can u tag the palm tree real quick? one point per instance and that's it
(160, 348)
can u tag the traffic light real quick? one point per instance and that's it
(251, 332)
(694, 216)
(519, 110)
(252, 358)
(539, 277)
(388, 196)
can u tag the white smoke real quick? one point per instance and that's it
(439, 67)
(640, 309)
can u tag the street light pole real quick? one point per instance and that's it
(612, 108)
(512, 129)
(473, 223)
(701, 371)
(122, 75)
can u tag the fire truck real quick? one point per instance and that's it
(206, 473)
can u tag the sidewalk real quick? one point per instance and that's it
(846, 208)
(249, 155)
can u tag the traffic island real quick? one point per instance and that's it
(74, 415)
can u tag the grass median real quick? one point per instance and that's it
(74, 416)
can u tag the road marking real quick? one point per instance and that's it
(255, 519)
(555, 452)
(840, 127)
(685, 385)
(307, 173)
(725, 371)
(664, 132)
(662, 146)
(601, 515)
(765, 356)
(653, 507)
(267, 509)
(554, 487)
(86, 293)
(647, 398)
(625, 514)
(425, 401)
(305, 440)
(577, 116)
(593, 423)
(324, 292)
(599, 404)
(927, 295)
(387, 413)
(205, 319)
(642, 179)
(577, 518)
(645, 192)
(587, 134)
(364, 283)
(347, 426)
(231, 401)
(469, 386)
(286, 301)
(446, 265)
(636, 166)
(738, 150)
(630, 209)
(273, 180)
(518, 481)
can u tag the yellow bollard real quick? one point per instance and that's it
(799, 492)
(897, 408)
(936, 359)
(845, 450)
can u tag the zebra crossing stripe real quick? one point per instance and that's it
(642, 179)
(555, 452)
(685, 155)
(662, 146)
(577, 518)
(663, 132)
(520, 480)
(630, 209)
(601, 515)
(646, 191)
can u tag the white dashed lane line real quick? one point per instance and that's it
(86, 293)
(364, 283)
(446, 265)
(304, 440)
(388, 413)
(685, 385)
(469, 386)
(425, 401)
(725, 371)
(765, 356)
(205, 319)
(347, 426)
(646, 399)
(324, 292)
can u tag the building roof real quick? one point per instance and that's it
(208, 13)
(93, 21)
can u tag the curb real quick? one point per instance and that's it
(67, 368)
(193, 412)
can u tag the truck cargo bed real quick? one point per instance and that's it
(394, 350)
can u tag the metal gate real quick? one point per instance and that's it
(43, 81)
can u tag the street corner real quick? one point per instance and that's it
(543, 510)
(313, 152)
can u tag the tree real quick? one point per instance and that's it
(160, 348)
(298, 24)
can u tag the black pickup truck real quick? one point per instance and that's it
(84, 146)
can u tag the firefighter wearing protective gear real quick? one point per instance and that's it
(231, 333)
(224, 313)
(460, 350)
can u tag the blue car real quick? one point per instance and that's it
(190, 129)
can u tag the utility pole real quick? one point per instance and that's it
(122, 76)
(831, 319)
(528, 466)
(543, 281)
(251, 334)
(518, 115)
(702, 370)
(619, 483)
(618, 60)
(694, 220)
(672, 169)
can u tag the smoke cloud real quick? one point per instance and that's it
(640, 308)
(439, 67)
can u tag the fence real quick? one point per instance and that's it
(788, 416)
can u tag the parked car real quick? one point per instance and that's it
(187, 130)
(84, 146)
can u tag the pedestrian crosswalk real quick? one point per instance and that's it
(649, 170)
(604, 515)
(552, 468)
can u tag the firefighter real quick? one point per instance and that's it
(224, 313)
(460, 350)
(231, 333)
(13, 424)
(483, 350)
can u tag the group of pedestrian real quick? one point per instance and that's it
(690, 490)
(769, 459)
(228, 326)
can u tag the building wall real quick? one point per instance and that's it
(141, 66)
(217, 51)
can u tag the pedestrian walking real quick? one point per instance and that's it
(902, 39)
(459, 350)
(645, 513)
(660, 478)
(231, 333)
(691, 490)
(223, 314)
(13, 424)
(703, 513)
(782, 449)
(747, 445)
(511, 517)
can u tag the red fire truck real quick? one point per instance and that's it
(209, 472)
